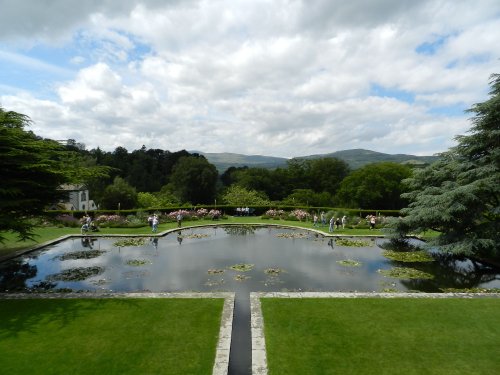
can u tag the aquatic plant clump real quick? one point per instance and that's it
(130, 242)
(76, 274)
(195, 235)
(215, 271)
(352, 243)
(241, 277)
(83, 254)
(137, 262)
(274, 271)
(405, 273)
(242, 267)
(349, 263)
(408, 256)
(292, 235)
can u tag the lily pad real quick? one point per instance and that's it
(138, 262)
(195, 235)
(408, 256)
(83, 254)
(274, 271)
(130, 242)
(215, 271)
(292, 235)
(241, 277)
(349, 263)
(352, 243)
(405, 273)
(242, 267)
(76, 274)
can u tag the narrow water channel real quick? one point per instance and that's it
(240, 357)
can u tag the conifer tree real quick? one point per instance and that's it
(459, 195)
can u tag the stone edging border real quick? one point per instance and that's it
(259, 357)
(221, 364)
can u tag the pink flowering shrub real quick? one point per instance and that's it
(214, 214)
(300, 215)
(274, 214)
(202, 212)
(186, 215)
(111, 220)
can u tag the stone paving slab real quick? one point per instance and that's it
(259, 358)
(221, 364)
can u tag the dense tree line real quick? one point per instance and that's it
(158, 178)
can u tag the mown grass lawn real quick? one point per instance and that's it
(44, 234)
(109, 336)
(382, 336)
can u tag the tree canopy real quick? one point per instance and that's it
(377, 185)
(32, 171)
(459, 195)
(194, 179)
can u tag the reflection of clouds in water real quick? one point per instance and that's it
(310, 264)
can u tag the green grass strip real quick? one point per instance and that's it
(382, 336)
(109, 336)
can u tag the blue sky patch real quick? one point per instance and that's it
(430, 48)
(386, 92)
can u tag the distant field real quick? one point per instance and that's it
(382, 336)
(109, 336)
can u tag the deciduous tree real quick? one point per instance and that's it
(374, 186)
(194, 180)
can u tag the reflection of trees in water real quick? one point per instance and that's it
(451, 272)
(239, 230)
(400, 245)
(14, 274)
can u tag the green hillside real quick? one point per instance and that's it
(355, 158)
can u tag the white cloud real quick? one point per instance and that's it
(280, 78)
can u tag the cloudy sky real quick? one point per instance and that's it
(270, 77)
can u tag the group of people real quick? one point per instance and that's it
(335, 223)
(88, 225)
(242, 211)
(154, 220)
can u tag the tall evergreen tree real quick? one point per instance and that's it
(459, 195)
(32, 171)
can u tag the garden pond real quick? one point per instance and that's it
(240, 259)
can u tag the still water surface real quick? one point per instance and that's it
(186, 261)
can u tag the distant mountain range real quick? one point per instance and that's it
(355, 158)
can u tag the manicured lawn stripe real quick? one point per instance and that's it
(109, 336)
(382, 336)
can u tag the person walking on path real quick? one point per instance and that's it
(344, 221)
(332, 221)
(155, 224)
(323, 218)
(372, 222)
(179, 220)
(315, 220)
